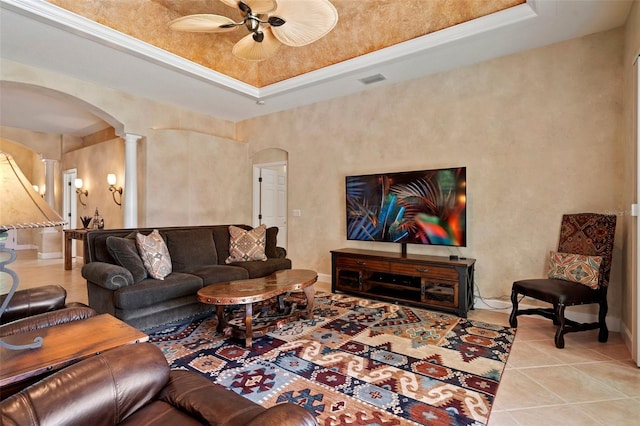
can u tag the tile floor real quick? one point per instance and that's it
(586, 383)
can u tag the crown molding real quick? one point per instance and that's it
(75, 24)
(68, 21)
(407, 49)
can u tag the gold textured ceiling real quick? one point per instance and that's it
(363, 26)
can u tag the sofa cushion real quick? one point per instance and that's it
(150, 292)
(247, 245)
(154, 253)
(271, 242)
(191, 248)
(258, 268)
(211, 274)
(125, 253)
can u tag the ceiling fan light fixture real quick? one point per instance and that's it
(270, 24)
(256, 6)
(248, 49)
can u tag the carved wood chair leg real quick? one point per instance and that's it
(559, 338)
(513, 318)
(603, 334)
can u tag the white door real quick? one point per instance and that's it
(70, 204)
(272, 199)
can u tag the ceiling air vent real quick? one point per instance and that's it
(372, 79)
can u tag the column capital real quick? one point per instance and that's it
(132, 137)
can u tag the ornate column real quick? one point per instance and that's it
(131, 180)
(49, 181)
(49, 246)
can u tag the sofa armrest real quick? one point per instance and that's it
(47, 319)
(33, 301)
(207, 401)
(286, 414)
(281, 252)
(103, 389)
(213, 404)
(107, 275)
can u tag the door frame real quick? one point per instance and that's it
(70, 203)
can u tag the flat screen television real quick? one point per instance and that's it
(417, 207)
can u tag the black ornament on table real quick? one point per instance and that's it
(86, 221)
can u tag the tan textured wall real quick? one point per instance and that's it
(195, 179)
(629, 307)
(92, 164)
(538, 132)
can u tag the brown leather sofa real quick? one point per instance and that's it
(40, 307)
(133, 385)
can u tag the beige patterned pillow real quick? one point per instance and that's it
(247, 245)
(154, 254)
(576, 268)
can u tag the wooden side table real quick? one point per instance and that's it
(63, 345)
(71, 234)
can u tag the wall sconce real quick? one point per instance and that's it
(111, 180)
(81, 192)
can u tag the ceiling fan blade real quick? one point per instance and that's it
(306, 21)
(256, 6)
(203, 23)
(247, 48)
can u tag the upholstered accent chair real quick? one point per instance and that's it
(578, 274)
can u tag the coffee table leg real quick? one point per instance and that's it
(309, 293)
(248, 338)
(222, 321)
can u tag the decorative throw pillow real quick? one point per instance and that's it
(247, 245)
(125, 253)
(576, 268)
(154, 254)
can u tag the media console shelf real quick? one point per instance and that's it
(426, 281)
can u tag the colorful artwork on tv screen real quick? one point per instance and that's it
(420, 207)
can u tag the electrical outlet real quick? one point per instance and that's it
(297, 212)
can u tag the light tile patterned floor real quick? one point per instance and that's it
(586, 383)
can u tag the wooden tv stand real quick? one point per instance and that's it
(426, 281)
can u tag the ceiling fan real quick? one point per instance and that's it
(271, 24)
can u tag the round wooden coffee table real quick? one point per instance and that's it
(247, 292)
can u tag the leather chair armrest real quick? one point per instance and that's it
(207, 401)
(213, 404)
(284, 415)
(281, 252)
(107, 275)
(33, 301)
(47, 319)
(103, 389)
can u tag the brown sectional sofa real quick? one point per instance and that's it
(198, 255)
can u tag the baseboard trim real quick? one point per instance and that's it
(613, 323)
(324, 278)
(25, 247)
(51, 255)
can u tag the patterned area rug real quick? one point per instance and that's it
(357, 362)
